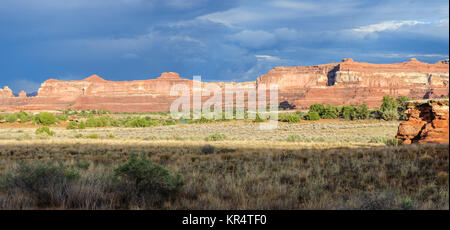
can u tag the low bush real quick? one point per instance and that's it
(348, 112)
(93, 136)
(44, 130)
(24, 117)
(62, 117)
(216, 137)
(331, 112)
(318, 108)
(11, 118)
(139, 122)
(390, 115)
(386, 140)
(312, 116)
(169, 122)
(362, 112)
(82, 125)
(294, 138)
(45, 118)
(289, 117)
(72, 125)
(98, 122)
(207, 149)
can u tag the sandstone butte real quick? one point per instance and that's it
(428, 122)
(346, 82)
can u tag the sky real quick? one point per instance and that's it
(232, 40)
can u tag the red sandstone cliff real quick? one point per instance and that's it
(347, 82)
(351, 82)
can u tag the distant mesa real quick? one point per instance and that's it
(94, 78)
(347, 82)
(170, 76)
(348, 60)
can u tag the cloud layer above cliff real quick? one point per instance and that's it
(219, 40)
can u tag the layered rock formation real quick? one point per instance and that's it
(428, 122)
(347, 82)
(351, 82)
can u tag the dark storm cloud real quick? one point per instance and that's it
(220, 40)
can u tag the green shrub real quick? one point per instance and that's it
(208, 149)
(139, 122)
(331, 112)
(11, 118)
(390, 115)
(148, 181)
(216, 137)
(389, 108)
(82, 125)
(289, 117)
(98, 122)
(389, 103)
(79, 135)
(43, 130)
(2, 117)
(293, 138)
(401, 101)
(258, 118)
(169, 122)
(362, 112)
(62, 117)
(47, 184)
(348, 112)
(300, 114)
(45, 118)
(312, 116)
(318, 108)
(93, 136)
(72, 125)
(24, 117)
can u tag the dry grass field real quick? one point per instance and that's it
(327, 164)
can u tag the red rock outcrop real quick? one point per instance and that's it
(6, 93)
(428, 122)
(22, 94)
(347, 82)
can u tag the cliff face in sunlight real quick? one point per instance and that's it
(427, 122)
(347, 82)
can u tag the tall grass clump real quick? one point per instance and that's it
(216, 137)
(47, 184)
(44, 130)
